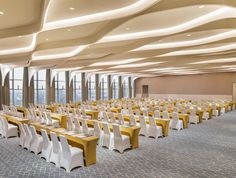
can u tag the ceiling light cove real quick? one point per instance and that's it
(215, 61)
(209, 39)
(136, 65)
(60, 56)
(102, 16)
(116, 62)
(221, 13)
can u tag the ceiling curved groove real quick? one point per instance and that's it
(102, 16)
(210, 39)
(202, 51)
(223, 13)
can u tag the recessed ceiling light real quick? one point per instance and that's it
(19, 36)
(72, 8)
(159, 40)
(47, 39)
(189, 35)
(68, 30)
(1, 13)
(202, 6)
(127, 28)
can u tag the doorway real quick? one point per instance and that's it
(145, 91)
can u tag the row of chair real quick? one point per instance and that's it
(58, 152)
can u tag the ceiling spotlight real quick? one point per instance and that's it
(1, 13)
(127, 28)
(202, 6)
(159, 40)
(189, 35)
(19, 36)
(68, 30)
(72, 8)
(47, 39)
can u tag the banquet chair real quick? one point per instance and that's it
(71, 157)
(22, 135)
(165, 115)
(56, 150)
(77, 127)
(9, 130)
(205, 114)
(108, 137)
(157, 114)
(1, 127)
(176, 122)
(144, 126)
(98, 132)
(193, 118)
(154, 130)
(37, 141)
(105, 116)
(132, 120)
(85, 128)
(121, 120)
(50, 121)
(112, 117)
(46, 147)
(137, 112)
(121, 142)
(215, 112)
(145, 113)
(70, 124)
(28, 137)
(84, 115)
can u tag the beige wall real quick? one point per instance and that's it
(208, 86)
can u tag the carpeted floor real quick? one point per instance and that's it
(204, 150)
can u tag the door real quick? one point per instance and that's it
(145, 91)
(234, 91)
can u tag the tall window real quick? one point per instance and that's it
(92, 88)
(16, 86)
(40, 87)
(60, 87)
(115, 88)
(104, 88)
(77, 88)
(126, 88)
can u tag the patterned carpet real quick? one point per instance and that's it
(205, 150)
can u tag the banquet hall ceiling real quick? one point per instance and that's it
(135, 37)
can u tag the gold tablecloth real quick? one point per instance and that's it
(15, 120)
(88, 144)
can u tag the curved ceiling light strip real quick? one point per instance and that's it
(59, 56)
(200, 41)
(102, 16)
(21, 50)
(201, 51)
(225, 12)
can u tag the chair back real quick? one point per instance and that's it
(105, 117)
(65, 148)
(132, 120)
(165, 115)
(27, 131)
(157, 114)
(112, 117)
(97, 129)
(121, 119)
(116, 130)
(84, 126)
(33, 131)
(192, 112)
(77, 125)
(137, 112)
(152, 122)
(5, 124)
(46, 140)
(56, 147)
(142, 121)
(22, 130)
(175, 116)
(145, 112)
(106, 129)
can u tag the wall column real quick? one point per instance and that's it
(98, 87)
(120, 87)
(109, 87)
(50, 90)
(4, 91)
(69, 88)
(28, 91)
(130, 87)
(84, 87)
